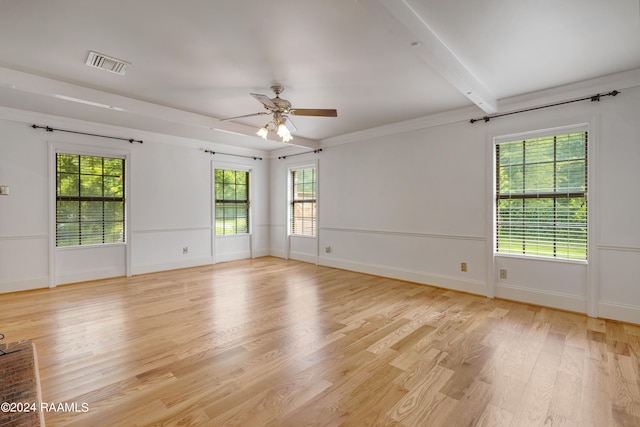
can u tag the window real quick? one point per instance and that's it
(232, 202)
(303, 201)
(541, 196)
(89, 200)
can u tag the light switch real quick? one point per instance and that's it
(4, 190)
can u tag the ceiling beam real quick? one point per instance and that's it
(68, 92)
(440, 57)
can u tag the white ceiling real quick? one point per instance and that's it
(376, 61)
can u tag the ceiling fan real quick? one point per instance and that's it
(280, 109)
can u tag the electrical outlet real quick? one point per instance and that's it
(327, 249)
(463, 267)
(503, 273)
(4, 190)
(185, 250)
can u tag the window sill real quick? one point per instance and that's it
(541, 258)
(96, 246)
(230, 236)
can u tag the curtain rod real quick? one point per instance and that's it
(235, 155)
(300, 154)
(592, 98)
(50, 129)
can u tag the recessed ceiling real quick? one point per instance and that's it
(377, 62)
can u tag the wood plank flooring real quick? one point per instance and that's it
(271, 342)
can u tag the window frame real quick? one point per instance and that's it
(56, 198)
(217, 202)
(293, 201)
(555, 195)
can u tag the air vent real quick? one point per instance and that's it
(107, 63)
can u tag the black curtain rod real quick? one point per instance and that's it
(588, 98)
(50, 129)
(235, 155)
(300, 154)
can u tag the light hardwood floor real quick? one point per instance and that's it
(270, 342)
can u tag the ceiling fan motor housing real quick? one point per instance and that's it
(282, 104)
(279, 107)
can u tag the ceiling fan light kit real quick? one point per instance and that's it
(279, 108)
(284, 133)
(263, 132)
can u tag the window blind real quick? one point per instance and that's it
(303, 201)
(232, 201)
(541, 196)
(90, 200)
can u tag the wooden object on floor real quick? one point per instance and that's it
(19, 385)
(272, 342)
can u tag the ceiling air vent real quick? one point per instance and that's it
(107, 63)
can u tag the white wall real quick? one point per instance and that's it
(24, 229)
(169, 202)
(413, 204)
(404, 206)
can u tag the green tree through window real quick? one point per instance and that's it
(541, 196)
(303, 201)
(232, 201)
(89, 200)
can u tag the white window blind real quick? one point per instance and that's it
(541, 196)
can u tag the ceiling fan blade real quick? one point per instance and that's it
(264, 99)
(314, 112)
(289, 124)
(262, 113)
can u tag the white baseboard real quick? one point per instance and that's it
(441, 281)
(575, 303)
(277, 253)
(153, 268)
(232, 256)
(616, 311)
(299, 256)
(606, 310)
(557, 300)
(24, 285)
(84, 276)
(261, 252)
